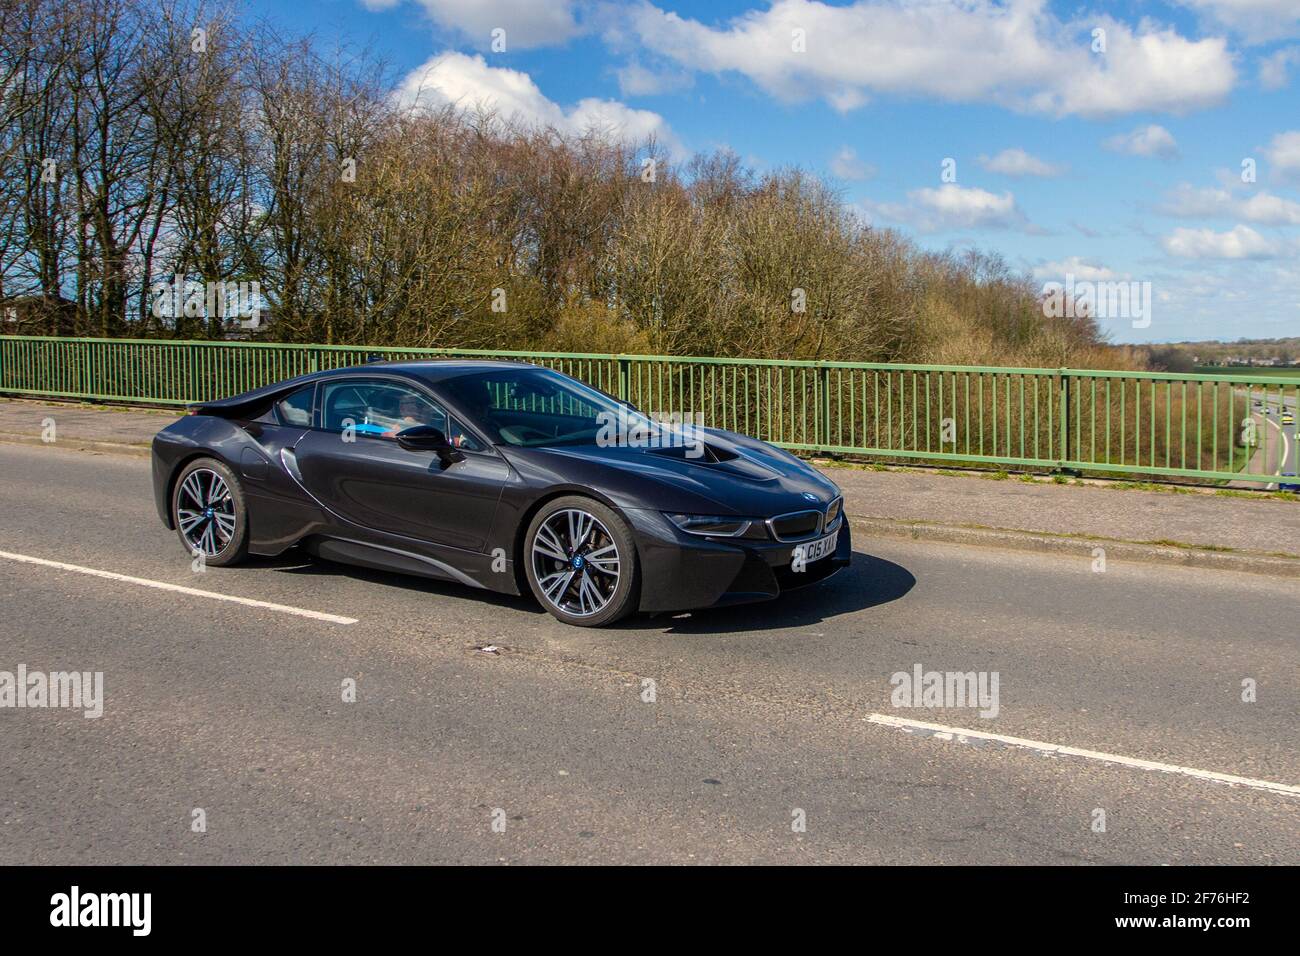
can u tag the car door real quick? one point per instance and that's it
(351, 462)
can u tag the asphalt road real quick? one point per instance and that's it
(760, 717)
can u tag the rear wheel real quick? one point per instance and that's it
(581, 562)
(209, 513)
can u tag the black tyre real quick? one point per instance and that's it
(581, 562)
(209, 513)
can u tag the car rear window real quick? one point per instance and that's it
(295, 408)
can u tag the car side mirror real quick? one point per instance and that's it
(428, 438)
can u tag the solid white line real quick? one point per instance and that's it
(194, 592)
(962, 735)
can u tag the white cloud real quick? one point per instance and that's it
(1074, 266)
(1240, 242)
(1274, 70)
(528, 23)
(1284, 154)
(846, 165)
(1270, 210)
(469, 83)
(1256, 20)
(1262, 208)
(1018, 164)
(1153, 141)
(1010, 52)
(636, 80)
(956, 207)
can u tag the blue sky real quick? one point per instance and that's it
(1111, 155)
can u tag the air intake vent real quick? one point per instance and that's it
(702, 453)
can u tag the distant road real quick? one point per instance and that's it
(1278, 451)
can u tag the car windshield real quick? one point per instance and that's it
(530, 406)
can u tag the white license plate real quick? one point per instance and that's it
(815, 549)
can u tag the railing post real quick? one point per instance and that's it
(624, 378)
(824, 417)
(1065, 423)
(193, 365)
(91, 371)
(85, 366)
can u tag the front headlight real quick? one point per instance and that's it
(716, 526)
(833, 512)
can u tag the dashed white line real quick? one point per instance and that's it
(180, 589)
(963, 735)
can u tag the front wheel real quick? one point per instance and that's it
(581, 562)
(209, 513)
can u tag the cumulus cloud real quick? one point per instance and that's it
(846, 165)
(1010, 52)
(1274, 70)
(1240, 242)
(1081, 269)
(1018, 164)
(527, 23)
(1263, 208)
(1152, 141)
(956, 207)
(1256, 20)
(468, 82)
(1284, 155)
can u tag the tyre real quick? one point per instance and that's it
(209, 512)
(581, 562)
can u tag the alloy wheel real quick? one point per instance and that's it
(576, 562)
(205, 512)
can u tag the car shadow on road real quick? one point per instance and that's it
(868, 582)
(300, 563)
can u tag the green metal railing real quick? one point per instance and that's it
(1137, 423)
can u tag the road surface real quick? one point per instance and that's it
(760, 738)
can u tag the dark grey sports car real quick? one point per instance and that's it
(498, 475)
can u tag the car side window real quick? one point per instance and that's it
(295, 408)
(382, 409)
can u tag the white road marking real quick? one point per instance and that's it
(193, 592)
(962, 735)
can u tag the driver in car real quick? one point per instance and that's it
(411, 412)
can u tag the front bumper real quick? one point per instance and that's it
(682, 572)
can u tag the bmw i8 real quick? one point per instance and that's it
(499, 475)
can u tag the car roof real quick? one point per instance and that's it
(428, 370)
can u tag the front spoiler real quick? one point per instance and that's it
(682, 572)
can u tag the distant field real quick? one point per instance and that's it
(1292, 370)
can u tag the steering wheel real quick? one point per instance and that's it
(523, 434)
